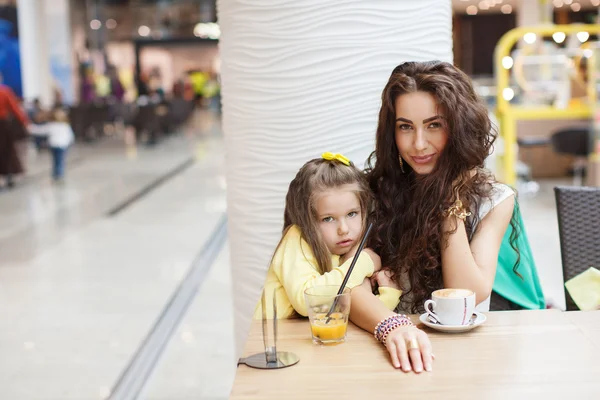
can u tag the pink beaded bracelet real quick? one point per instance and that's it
(387, 325)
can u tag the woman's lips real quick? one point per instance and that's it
(422, 159)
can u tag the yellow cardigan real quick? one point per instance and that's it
(294, 268)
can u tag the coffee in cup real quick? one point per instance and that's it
(451, 306)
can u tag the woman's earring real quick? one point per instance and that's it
(401, 163)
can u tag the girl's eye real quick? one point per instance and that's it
(405, 127)
(435, 125)
(352, 214)
(327, 219)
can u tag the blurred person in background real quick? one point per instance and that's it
(198, 80)
(12, 130)
(60, 137)
(102, 86)
(39, 118)
(88, 91)
(142, 84)
(117, 91)
(10, 62)
(156, 86)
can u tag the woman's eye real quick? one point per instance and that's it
(352, 214)
(435, 125)
(405, 127)
(327, 219)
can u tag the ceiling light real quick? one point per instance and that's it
(143, 30)
(507, 62)
(583, 36)
(95, 24)
(559, 37)
(508, 94)
(530, 38)
(472, 10)
(111, 23)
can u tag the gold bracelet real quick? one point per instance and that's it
(458, 210)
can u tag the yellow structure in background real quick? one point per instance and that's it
(508, 114)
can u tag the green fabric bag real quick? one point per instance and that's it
(525, 291)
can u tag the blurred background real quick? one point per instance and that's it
(115, 267)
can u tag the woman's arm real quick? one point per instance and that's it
(367, 311)
(14, 106)
(473, 265)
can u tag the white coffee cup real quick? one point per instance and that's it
(451, 306)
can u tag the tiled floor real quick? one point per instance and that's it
(199, 362)
(79, 291)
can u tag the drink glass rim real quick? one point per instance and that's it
(334, 288)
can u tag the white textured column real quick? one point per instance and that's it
(298, 79)
(59, 45)
(33, 46)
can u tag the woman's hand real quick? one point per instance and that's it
(410, 349)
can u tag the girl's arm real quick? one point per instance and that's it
(473, 265)
(297, 270)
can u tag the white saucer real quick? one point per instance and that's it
(480, 319)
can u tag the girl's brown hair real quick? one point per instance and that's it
(317, 176)
(409, 209)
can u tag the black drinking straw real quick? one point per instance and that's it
(345, 281)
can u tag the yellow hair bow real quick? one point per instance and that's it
(337, 157)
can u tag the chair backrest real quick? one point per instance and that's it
(578, 211)
(572, 141)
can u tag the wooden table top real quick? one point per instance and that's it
(544, 354)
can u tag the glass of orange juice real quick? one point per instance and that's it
(319, 300)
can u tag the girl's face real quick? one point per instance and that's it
(421, 132)
(339, 217)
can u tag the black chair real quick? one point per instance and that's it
(574, 142)
(499, 303)
(578, 211)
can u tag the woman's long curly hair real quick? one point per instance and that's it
(409, 208)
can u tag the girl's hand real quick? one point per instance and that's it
(384, 278)
(410, 349)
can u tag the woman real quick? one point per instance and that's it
(440, 218)
(12, 128)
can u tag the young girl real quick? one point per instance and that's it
(325, 217)
(60, 137)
